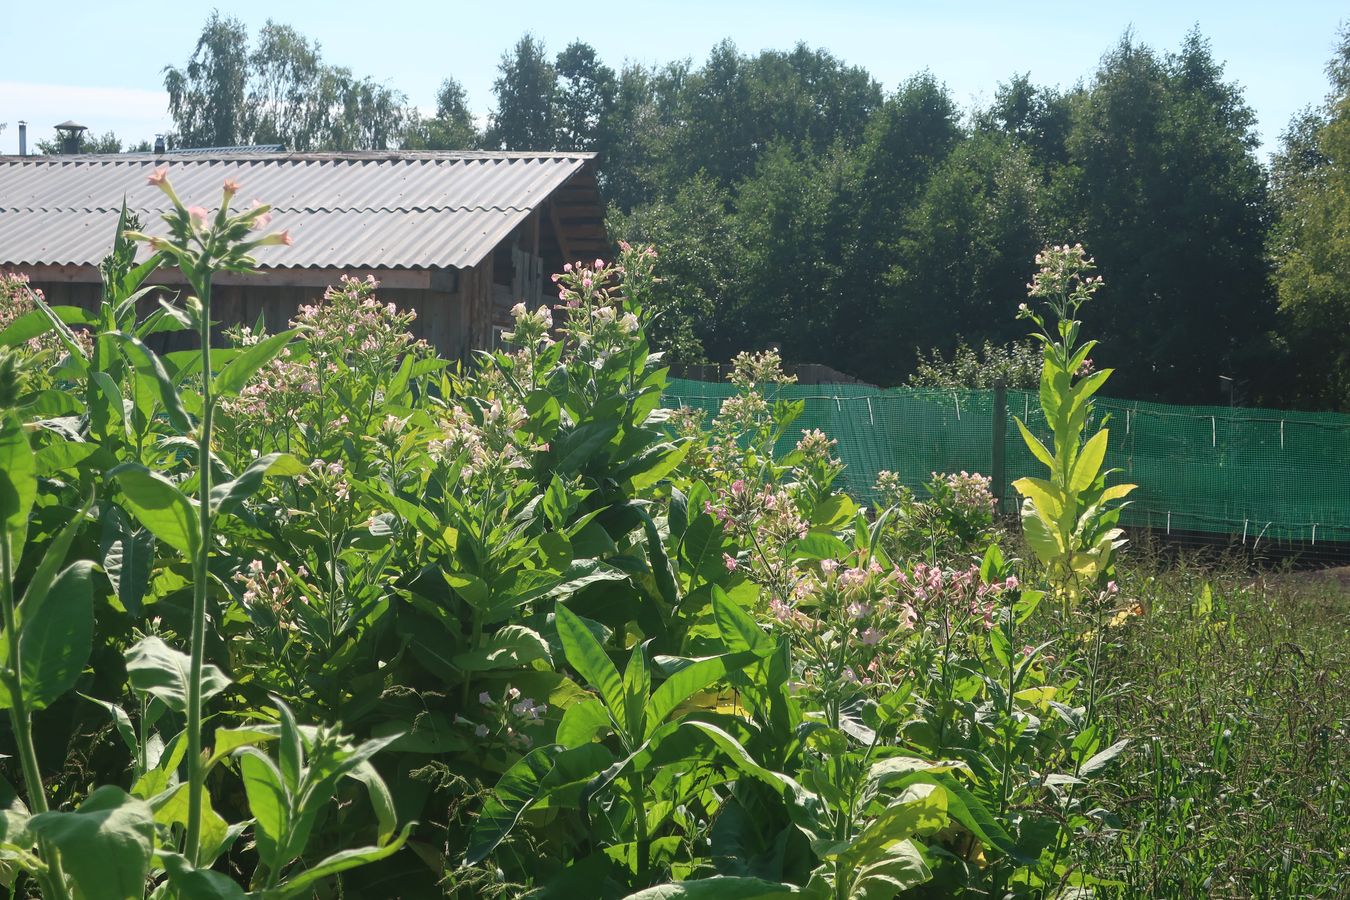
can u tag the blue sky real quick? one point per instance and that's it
(101, 63)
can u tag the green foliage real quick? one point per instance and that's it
(1016, 365)
(1312, 182)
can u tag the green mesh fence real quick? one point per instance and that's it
(1255, 473)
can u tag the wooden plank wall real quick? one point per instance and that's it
(443, 314)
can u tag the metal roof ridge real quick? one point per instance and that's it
(216, 157)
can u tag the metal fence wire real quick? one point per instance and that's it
(1259, 474)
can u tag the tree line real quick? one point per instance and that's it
(798, 202)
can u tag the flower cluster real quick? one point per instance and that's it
(489, 445)
(969, 490)
(507, 717)
(330, 479)
(271, 590)
(352, 325)
(769, 514)
(597, 315)
(749, 370)
(532, 327)
(1064, 280)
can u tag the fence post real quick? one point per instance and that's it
(998, 474)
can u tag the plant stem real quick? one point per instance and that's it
(196, 771)
(54, 880)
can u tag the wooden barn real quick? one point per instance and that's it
(459, 237)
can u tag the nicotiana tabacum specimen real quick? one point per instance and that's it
(286, 595)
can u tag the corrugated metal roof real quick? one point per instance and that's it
(357, 210)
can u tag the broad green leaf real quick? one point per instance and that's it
(637, 686)
(128, 559)
(156, 669)
(653, 464)
(1047, 496)
(908, 817)
(236, 373)
(42, 579)
(228, 740)
(470, 587)
(148, 365)
(172, 809)
(303, 882)
(509, 647)
(227, 497)
(719, 887)
(899, 868)
(62, 455)
(585, 654)
(159, 505)
(1033, 443)
(18, 484)
(267, 801)
(517, 790)
(818, 545)
(1101, 760)
(36, 323)
(1089, 462)
(689, 680)
(105, 844)
(581, 722)
(55, 641)
(199, 884)
(834, 510)
(739, 631)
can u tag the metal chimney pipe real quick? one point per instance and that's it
(23, 138)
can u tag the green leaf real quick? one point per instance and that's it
(40, 584)
(121, 721)
(652, 465)
(739, 631)
(199, 884)
(148, 365)
(688, 681)
(585, 654)
(61, 455)
(227, 497)
(1037, 449)
(381, 801)
(128, 558)
(581, 722)
(229, 740)
(156, 669)
(332, 865)
(1089, 462)
(267, 801)
(172, 809)
(105, 844)
(159, 505)
(577, 446)
(236, 373)
(719, 887)
(55, 641)
(1101, 760)
(18, 485)
(517, 790)
(903, 819)
(637, 685)
(36, 323)
(471, 588)
(509, 647)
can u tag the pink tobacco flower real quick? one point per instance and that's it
(159, 177)
(199, 215)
